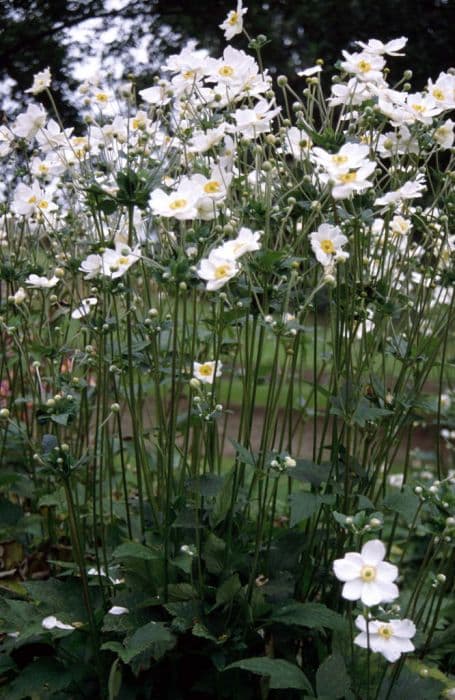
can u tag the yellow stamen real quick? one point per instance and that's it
(212, 186)
(226, 71)
(364, 66)
(339, 160)
(385, 631)
(348, 177)
(206, 370)
(368, 574)
(178, 204)
(222, 271)
(327, 246)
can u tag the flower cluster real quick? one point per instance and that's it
(370, 579)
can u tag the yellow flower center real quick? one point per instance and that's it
(222, 271)
(233, 18)
(123, 260)
(438, 94)
(385, 631)
(339, 160)
(101, 97)
(418, 108)
(206, 370)
(43, 168)
(368, 574)
(138, 123)
(43, 204)
(178, 204)
(327, 246)
(212, 186)
(226, 71)
(348, 177)
(31, 200)
(364, 66)
(189, 74)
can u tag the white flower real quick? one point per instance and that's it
(205, 372)
(327, 243)
(410, 190)
(366, 66)
(118, 610)
(19, 297)
(41, 282)
(91, 266)
(246, 242)
(51, 622)
(391, 639)
(180, 204)
(349, 157)
(297, 143)
(252, 122)
(367, 577)
(444, 135)
(443, 90)
(84, 307)
(217, 269)
(374, 46)
(28, 123)
(233, 24)
(309, 72)
(41, 81)
(30, 201)
(422, 107)
(115, 263)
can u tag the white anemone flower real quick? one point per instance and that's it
(444, 135)
(84, 308)
(91, 266)
(247, 241)
(207, 371)
(217, 270)
(391, 639)
(41, 81)
(366, 66)
(51, 622)
(118, 610)
(28, 123)
(410, 190)
(377, 47)
(41, 282)
(327, 243)
(233, 24)
(366, 576)
(116, 262)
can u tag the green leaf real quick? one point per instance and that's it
(309, 472)
(153, 637)
(40, 679)
(332, 678)
(228, 590)
(213, 553)
(134, 550)
(282, 674)
(182, 591)
(312, 615)
(365, 411)
(303, 506)
(404, 502)
(245, 455)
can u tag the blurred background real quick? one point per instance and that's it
(118, 37)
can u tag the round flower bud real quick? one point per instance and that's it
(418, 490)
(115, 407)
(4, 413)
(375, 522)
(441, 578)
(282, 81)
(195, 384)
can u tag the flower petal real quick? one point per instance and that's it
(386, 572)
(346, 570)
(371, 593)
(352, 590)
(373, 552)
